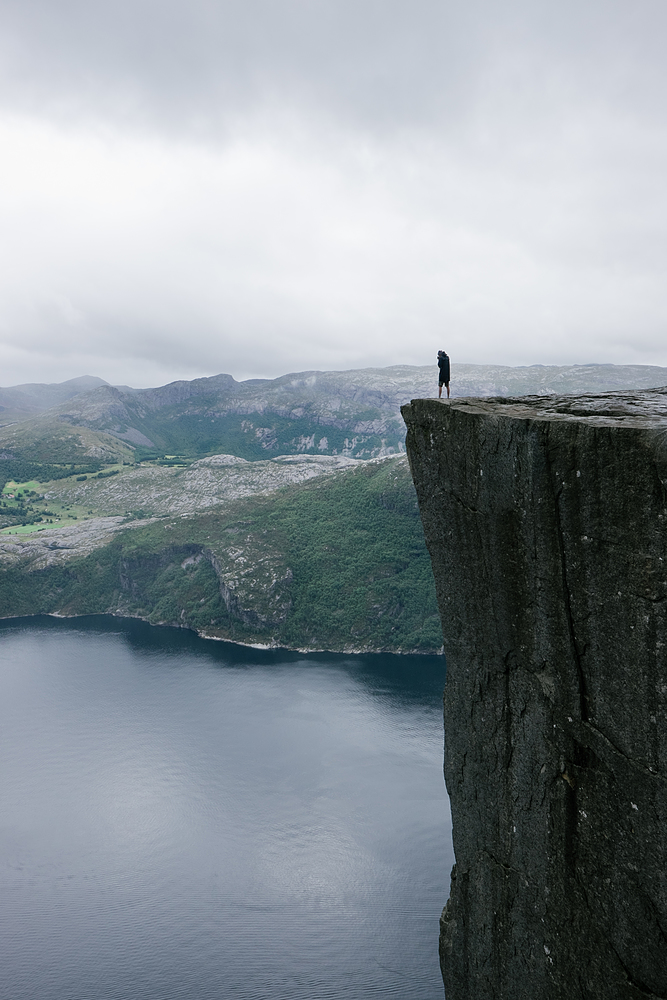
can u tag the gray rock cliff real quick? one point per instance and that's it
(546, 521)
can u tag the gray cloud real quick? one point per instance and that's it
(377, 63)
(192, 64)
(263, 186)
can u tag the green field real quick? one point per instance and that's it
(24, 508)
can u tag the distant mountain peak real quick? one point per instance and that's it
(84, 381)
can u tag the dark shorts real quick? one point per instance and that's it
(444, 383)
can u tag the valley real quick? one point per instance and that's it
(270, 512)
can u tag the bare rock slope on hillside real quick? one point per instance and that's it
(307, 552)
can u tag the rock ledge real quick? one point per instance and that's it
(546, 521)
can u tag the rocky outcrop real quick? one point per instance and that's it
(58, 546)
(546, 521)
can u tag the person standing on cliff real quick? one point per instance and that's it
(443, 366)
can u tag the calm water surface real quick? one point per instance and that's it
(188, 819)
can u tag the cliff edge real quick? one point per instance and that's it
(546, 521)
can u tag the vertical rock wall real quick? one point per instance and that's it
(546, 520)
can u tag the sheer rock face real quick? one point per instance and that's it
(546, 520)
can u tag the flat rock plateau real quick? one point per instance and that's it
(546, 522)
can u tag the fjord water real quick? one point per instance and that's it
(190, 819)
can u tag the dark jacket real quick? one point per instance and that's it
(443, 365)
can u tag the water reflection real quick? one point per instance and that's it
(190, 818)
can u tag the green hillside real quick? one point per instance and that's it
(49, 440)
(336, 563)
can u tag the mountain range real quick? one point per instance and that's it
(351, 413)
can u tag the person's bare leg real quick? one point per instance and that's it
(448, 390)
(439, 391)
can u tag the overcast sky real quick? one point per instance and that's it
(190, 187)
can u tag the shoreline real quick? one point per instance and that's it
(263, 647)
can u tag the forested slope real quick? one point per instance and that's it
(337, 562)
